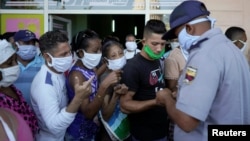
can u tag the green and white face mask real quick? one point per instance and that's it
(151, 54)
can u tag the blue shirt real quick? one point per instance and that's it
(214, 87)
(27, 73)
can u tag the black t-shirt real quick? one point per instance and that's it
(145, 77)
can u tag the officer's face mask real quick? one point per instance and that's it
(186, 40)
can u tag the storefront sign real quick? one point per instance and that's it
(15, 22)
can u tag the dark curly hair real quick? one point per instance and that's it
(49, 41)
(81, 39)
(7, 35)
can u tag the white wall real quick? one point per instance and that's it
(231, 13)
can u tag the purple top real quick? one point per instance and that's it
(82, 128)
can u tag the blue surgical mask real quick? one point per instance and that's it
(26, 52)
(186, 40)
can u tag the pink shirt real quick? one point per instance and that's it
(20, 106)
(21, 132)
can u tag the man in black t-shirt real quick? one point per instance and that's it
(144, 77)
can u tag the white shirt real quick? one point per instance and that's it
(49, 101)
(130, 54)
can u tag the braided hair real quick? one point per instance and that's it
(81, 39)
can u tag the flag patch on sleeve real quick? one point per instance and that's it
(190, 74)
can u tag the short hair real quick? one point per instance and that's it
(108, 42)
(7, 35)
(129, 35)
(49, 40)
(81, 39)
(154, 26)
(234, 32)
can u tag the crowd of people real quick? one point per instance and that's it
(97, 89)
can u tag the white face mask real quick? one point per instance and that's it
(61, 64)
(9, 75)
(174, 44)
(130, 45)
(244, 45)
(117, 63)
(91, 60)
(186, 40)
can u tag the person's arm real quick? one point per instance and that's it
(82, 92)
(102, 68)
(46, 105)
(110, 102)
(172, 71)
(171, 84)
(44, 98)
(10, 124)
(109, 105)
(90, 108)
(184, 121)
(128, 105)
(99, 71)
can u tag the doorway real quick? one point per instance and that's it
(117, 25)
(104, 25)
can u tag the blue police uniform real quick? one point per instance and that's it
(214, 87)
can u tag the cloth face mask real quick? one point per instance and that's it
(61, 64)
(131, 45)
(9, 75)
(117, 63)
(91, 60)
(151, 54)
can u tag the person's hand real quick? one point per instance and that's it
(162, 95)
(83, 90)
(120, 89)
(174, 94)
(113, 78)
